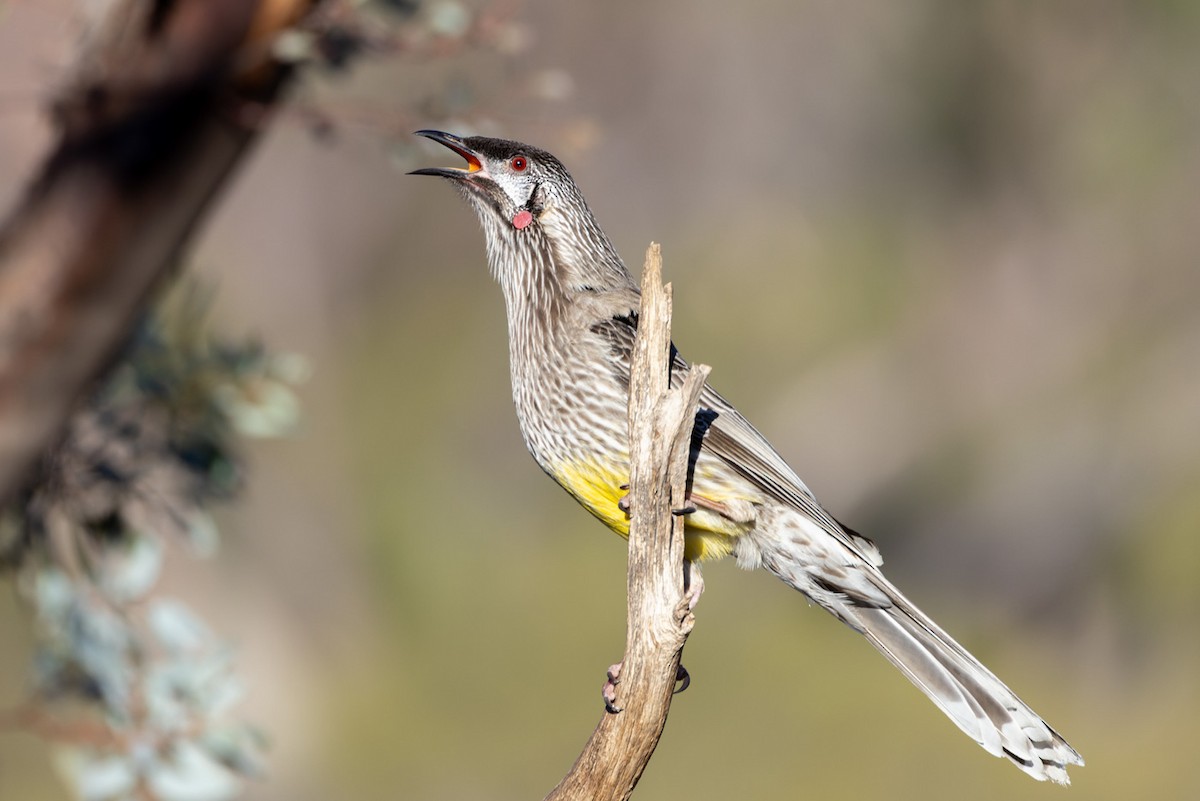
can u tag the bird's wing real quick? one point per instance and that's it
(732, 439)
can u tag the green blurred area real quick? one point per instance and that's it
(945, 255)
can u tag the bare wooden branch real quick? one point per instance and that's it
(149, 130)
(661, 421)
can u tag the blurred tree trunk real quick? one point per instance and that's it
(167, 97)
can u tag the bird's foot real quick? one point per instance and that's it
(609, 691)
(623, 504)
(613, 678)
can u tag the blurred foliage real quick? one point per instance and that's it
(132, 687)
(434, 40)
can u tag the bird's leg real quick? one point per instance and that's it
(735, 509)
(693, 587)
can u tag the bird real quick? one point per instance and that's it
(572, 311)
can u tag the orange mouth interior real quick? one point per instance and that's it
(473, 163)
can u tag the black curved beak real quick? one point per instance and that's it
(474, 161)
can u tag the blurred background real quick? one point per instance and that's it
(945, 255)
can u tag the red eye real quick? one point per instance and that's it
(519, 163)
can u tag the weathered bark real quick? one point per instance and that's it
(660, 423)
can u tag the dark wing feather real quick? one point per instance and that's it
(732, 439)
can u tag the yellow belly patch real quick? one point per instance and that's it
(598, 489)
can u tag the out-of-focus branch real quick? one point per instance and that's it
(661, 421)
(149, 129)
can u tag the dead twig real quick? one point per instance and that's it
(660, 423)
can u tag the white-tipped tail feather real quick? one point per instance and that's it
(848, 583)
(970, 694)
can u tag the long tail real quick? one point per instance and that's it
(970, 694)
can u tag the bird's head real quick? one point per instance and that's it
(536, 223)
(517, 183)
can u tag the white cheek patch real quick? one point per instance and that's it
(521, 219)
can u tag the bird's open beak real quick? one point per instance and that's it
(474, 162)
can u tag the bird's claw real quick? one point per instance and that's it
(623, 504)
(683, 678)
(609, 691)
(613, 678)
